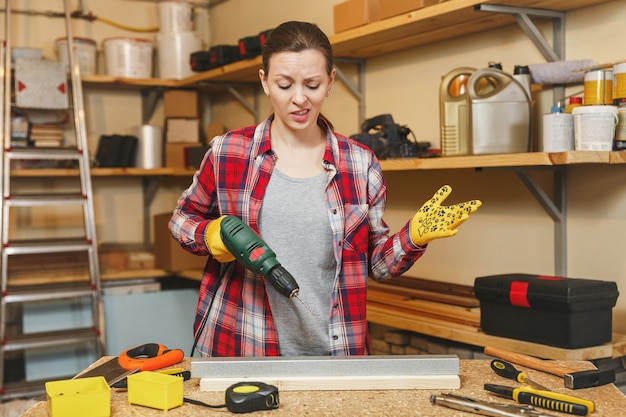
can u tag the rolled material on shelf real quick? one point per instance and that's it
(559, 72)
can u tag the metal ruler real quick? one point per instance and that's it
(377, 372)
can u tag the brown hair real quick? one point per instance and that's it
(294, 36)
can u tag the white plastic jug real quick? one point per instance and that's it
(499, 113)
(453, 113)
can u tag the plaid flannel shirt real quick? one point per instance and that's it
(231, 181)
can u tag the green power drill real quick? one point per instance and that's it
(253, 253)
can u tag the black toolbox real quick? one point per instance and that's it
(563, 312)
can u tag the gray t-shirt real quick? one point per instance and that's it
(294, 223)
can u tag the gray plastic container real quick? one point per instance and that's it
(499, 113)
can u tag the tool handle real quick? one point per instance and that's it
(552, 404)
(149, 356)
(506, 370)
(528, 361)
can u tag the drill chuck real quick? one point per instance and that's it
(283, 281)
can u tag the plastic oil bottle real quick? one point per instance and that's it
(500, 113)
(453, 112)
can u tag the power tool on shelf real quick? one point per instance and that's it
(253, 253)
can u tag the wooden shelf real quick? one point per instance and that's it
(448, 20)
(443, 21)
(505, 160)
(104, 172)
(529, 159)
(108, 81)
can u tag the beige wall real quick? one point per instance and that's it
(510, 233)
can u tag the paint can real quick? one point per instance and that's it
(558, 131)
(175, 16)
(594, 127)
(598, 88)
(86, 52)
(619, 85)
(128, 57)
(174, 54)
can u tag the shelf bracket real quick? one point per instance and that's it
(149, 99)
(150, 187)
(553, 53)
(252, 108)
(356, 89)
(556, 209)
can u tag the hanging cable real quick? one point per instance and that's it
(90, 17)
(125, 27)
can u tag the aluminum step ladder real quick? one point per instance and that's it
(83, 248)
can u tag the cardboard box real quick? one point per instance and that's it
(389, 8)
(180, 103)
(182, 130)
(176, 154)
(354, 13)
(168, 254)
(564, 312)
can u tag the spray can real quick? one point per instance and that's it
(558, 131)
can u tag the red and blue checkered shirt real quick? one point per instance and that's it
(232, 180)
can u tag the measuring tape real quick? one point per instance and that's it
(245, 397)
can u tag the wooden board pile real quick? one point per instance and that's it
(442, 301)
(451, 304)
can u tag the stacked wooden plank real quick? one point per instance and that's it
(46, 135)
(452, 303)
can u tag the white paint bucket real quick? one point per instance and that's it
(128, 57)
(594, 127)
(174, 51)
(86, 51)
(175, 16)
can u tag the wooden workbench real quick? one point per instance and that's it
(608, 399)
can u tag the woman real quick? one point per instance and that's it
(317, 199)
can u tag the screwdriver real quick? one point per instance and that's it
(544, 399)
(506, 370)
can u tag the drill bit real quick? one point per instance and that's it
(295, 294)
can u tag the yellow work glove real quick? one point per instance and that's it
(434, 221)
(214, 242)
